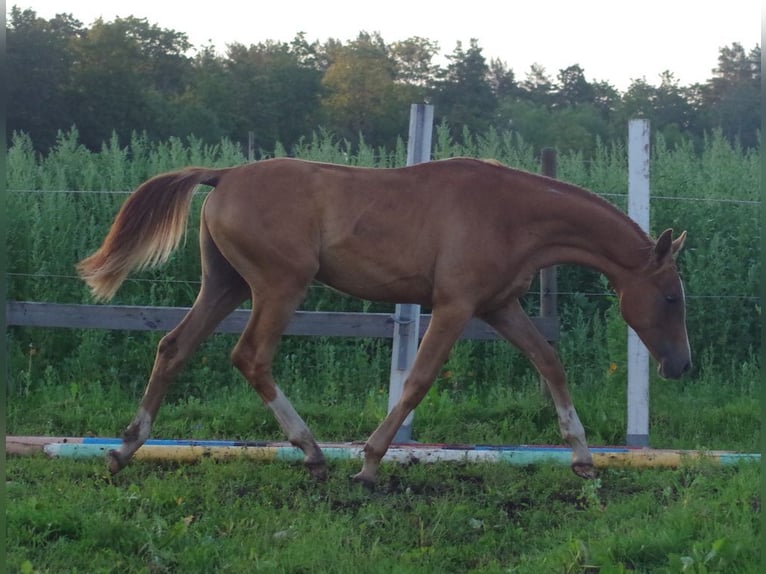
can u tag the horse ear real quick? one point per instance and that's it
(666, 246)
(678, 243)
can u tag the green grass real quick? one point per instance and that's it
(70, 516)
(240, 516)
(711, 412)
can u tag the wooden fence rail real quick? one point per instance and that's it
(307, 323)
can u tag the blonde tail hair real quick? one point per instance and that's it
(147, 229)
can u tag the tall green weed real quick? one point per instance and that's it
(54, 223)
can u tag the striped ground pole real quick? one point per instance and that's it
(186, 450)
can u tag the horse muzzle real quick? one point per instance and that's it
(674, 369)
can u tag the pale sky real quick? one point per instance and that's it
(611, 40)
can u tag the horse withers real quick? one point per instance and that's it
(464, 237)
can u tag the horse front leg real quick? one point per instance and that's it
(445, 327)
(253, 356)
(516, 327)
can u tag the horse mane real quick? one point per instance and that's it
(575, 190)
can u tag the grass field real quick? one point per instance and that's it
(238, 516)
(69, 516)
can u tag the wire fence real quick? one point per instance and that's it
(190, 283)
(315, 286)
(614, 195)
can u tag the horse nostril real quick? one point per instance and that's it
(687, 368)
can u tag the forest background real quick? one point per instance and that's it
(104, 107)
(130, 76)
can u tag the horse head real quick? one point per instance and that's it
(652, 302)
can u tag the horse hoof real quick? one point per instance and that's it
(363, 480)
(317, 470)
(584, 470)
(115, 462)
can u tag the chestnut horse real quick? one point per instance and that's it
(464, 237)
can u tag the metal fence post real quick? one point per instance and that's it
(638, 355)
(407, 316)
(548, 276)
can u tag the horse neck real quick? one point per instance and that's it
(588, 231)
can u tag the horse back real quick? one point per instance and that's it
(380, 234)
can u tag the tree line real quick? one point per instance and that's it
(129, 76)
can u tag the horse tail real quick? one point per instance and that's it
(147, 229)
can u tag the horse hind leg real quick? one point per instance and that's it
(223, 289)
(253, 356)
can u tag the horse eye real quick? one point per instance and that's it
(671, 298)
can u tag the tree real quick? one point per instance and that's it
(668, 107)
(206, 108)
(39, 58)
(272, 89)
(362, 93)
(637, 99)
(732, 96)
(413, 61)
(128, 76)
(606, 98)
(125, 77)
(572, 88)
(464, 95)
(537, 86)
(502, 80)
(674, 114)
(414, 70)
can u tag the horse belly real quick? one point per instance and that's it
(375, 280)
